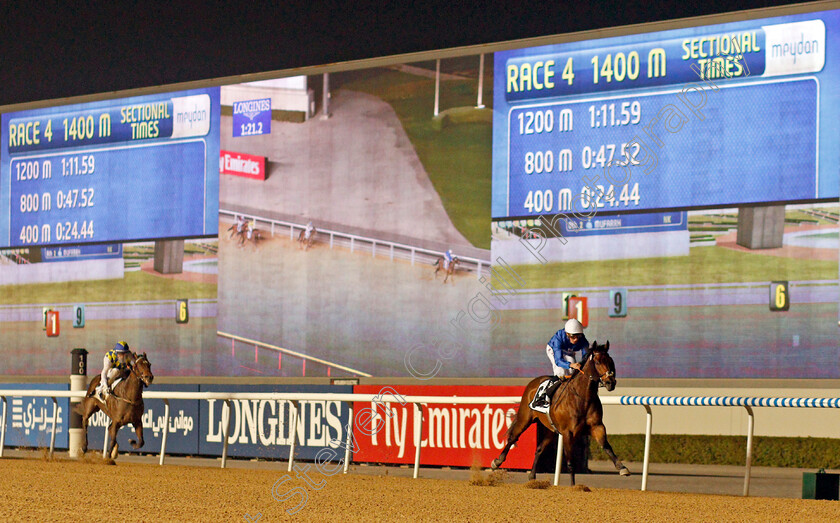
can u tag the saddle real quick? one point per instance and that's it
(544, 385)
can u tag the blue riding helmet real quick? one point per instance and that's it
(121, 346)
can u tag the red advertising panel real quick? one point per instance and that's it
(460, 435)
(241, 164)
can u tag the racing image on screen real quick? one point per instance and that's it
(109, 230)
(676, 192)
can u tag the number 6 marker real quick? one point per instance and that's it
(779, 296)
(182, 312)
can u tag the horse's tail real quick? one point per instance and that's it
(508, 432)
(79, 409)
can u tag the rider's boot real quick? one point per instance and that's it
(101, 393)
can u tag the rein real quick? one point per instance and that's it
(134, 372)
(598, 377)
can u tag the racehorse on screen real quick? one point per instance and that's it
(304, 242)
(574, 412)
(123, 406)
(449, 271)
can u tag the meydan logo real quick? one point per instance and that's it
(252, 108)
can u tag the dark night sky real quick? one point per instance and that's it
(58, 49)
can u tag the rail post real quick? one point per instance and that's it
(227, 410)
(105, 443)
(558, 461)
(54, 422)
(293, 428)
(750, 428)
(648, 430)
(418, 437)
(165, 431)
(349, 428)
(3, 429)
(78, 381)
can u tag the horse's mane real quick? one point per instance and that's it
(599, 348)
(594, 348)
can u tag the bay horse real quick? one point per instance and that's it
(304, 243)
(237, 230)
(124, 405)
(448, 271)
(575, 411)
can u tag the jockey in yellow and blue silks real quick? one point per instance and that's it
(115, 362)
(566, 349)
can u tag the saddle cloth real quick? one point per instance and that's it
(540, 390)
(114, 383)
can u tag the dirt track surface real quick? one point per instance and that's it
(63, 490)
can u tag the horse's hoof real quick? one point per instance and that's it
(494, 465)
(624, 471)
(532, 477)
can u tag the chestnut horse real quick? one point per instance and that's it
(123, 406)
(574, 412)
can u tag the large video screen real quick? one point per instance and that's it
(677, 192)
(675, 115)
(129, 169)
(109, 231)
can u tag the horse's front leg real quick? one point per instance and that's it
(547, 437)
(114, 447)
(522, 422)
(599, 432)
(138, 429)
(88, 408)
(568, 445)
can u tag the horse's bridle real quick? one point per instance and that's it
(599, 377)
(136, 372)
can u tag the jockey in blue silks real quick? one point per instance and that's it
(566, 349)
(447, 259)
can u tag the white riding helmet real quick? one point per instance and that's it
(574, 327)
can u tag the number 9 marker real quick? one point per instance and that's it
(617, 307)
